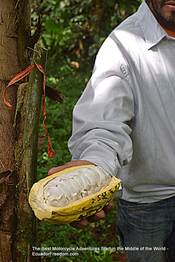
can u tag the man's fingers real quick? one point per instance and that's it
(84, 222)
(80, 224)
(69, 164)
(55, 169)
(99, 215)
(108, 207)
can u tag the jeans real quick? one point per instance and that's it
(147, 231)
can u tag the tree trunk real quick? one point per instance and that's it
(18, 133)
(26, 120)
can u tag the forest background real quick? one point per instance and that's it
(72, 32)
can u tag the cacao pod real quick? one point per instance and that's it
(72, 194)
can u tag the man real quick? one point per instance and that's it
(125, 123)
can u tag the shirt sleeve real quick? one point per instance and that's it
(101, 133)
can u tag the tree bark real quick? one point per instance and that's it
(26, 120)
(9, 65)
(18, 133)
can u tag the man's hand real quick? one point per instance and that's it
(69, 164)
(99, 215)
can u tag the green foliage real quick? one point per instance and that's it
(96, 235)
(73, 31)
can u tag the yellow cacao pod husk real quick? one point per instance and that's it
(72, 194)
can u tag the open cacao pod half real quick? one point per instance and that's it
(72, 194)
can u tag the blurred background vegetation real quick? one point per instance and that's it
(72, 32)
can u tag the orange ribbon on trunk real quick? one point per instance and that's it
(19, 77)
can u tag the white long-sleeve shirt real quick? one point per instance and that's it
(125, 118)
